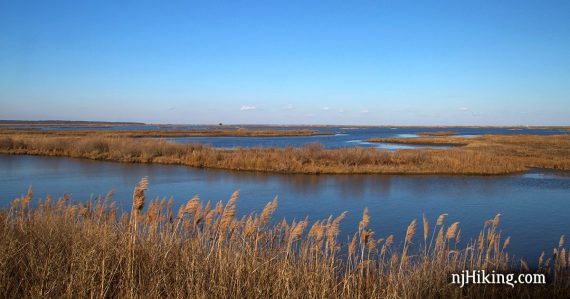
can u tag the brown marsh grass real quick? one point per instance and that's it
(487, 155)
(59, 249)
(436, 134)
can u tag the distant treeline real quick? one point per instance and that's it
(64, 122)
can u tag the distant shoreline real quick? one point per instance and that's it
(63, 122)
(56, 123)
(165, 133)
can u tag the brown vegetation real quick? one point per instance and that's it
(166, 133)
(202, 250)
(489, 154)
(436, 134)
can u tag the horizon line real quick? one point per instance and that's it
(4, 122)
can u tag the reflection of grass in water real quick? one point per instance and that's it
(436, 134)
(202, 250)
(422, 140)
(548, 174)
(488, 154)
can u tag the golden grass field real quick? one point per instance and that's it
(485, 155)
(59, 249)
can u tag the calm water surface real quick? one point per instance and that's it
(344, 136)
(354, 136)
(534, 206)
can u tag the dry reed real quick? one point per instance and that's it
(436, 134)
(58, 249)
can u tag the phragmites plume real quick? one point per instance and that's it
(389, 241)
(14, 204)
(267, 211)
(441, 218)
(249, 227)
(198, 215)
(229, 211)
(561, 242)
(180, 214)
(26, 200)
(481, 241)
(138, 196)
(371, 241)
(284, 226)
(492, 241)
(365, 220)
(366, 237)
(496, 220)
(410, 231)
(507, 242)
(439, 238)
(233, 198)
(208, 217)
(219, 207)
(109, 195)
(333, 230)
(189, 207)
(313, 230)
(316, 231)
(352, 246)
(451, 231)
(297, 229)
(387, 244)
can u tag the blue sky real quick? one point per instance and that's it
(287, 62)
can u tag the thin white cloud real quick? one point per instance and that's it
(309, 115)
(288, 107)
(469, 111)
(246, 108)
(364, 111)
(326, 108)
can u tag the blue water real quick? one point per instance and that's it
(345, 136)
(534, 206)
(355, 136)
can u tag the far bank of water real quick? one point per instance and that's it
(534, 206)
